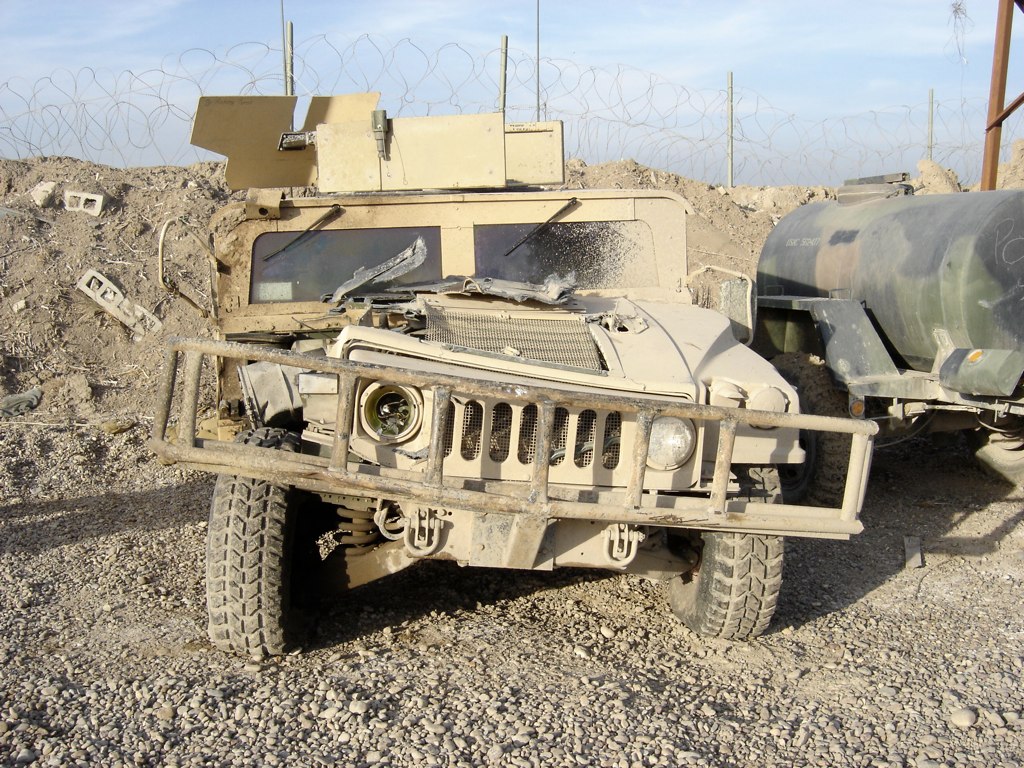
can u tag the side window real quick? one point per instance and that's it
(309, 267)
(602, 254)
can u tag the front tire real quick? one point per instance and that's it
(252, 573)
(733, 592)
(821, 479)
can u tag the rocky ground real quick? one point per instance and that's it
(103, 653)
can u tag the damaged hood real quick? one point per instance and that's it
(554, 290)
(615, 344)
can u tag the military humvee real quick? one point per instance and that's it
(437, 358)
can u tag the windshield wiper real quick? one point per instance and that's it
(572, 201)
(331, 213)
(396, 266)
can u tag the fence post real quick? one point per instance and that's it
(538, 61)
(729, 134)
(502, 76)
(931, 121)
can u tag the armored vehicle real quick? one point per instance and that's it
(436, 358)
(906, 310)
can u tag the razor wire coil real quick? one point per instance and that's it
(610, 113)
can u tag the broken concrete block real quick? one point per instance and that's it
(43, 192)
(87, 202)
(19, 306)
(103, 291)
(913, 557)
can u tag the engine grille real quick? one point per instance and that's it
(566, 341)
(495, 439)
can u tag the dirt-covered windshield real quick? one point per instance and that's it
(298, 266)
(601, 254)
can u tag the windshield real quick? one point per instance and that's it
(601, 254)
(325, 259)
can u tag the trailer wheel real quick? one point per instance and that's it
(1000, 452)
(260, 559)
(821, 479)
(734, 589)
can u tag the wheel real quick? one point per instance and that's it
(1000, 452)
(734, 589)
(821, 479)
(260, 559)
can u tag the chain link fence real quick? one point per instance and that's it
(610, 113)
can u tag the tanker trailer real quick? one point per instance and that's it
(905, 310)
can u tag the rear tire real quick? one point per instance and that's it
(1000, 453)
(821, 479)
(254, 559)
(734, 590)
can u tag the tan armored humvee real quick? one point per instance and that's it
(487, 372)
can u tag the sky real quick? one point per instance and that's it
(811, 58)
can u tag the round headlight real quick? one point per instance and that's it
(390, 413)
(672, 442)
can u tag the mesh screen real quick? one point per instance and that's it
(563, 341)
(528, 435)
(501, 431)
(472, 426)
(585, 439)
(612, 440)
(559, 438)
(449, 430)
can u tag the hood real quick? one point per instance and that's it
(606, 343)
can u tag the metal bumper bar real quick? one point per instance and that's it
(538, 497)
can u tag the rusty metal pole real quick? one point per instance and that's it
(997, 95)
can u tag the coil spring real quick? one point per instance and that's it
(363, 528)
(356, 528)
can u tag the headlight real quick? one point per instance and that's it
(390, 413)
(672, 442)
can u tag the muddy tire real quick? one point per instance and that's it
(1001, 455)
(251, 570)
(821, 479)
(734, 590)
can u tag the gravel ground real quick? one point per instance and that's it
(104, 658)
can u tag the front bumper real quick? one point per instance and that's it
(711, 506)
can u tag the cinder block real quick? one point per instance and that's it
(103, 291)
(87, 202)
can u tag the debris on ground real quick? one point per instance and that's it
(42, 193)
(20, 404)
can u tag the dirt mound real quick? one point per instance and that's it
(731, 225)
(935, 180)
(1011, 173)
(56, 337)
